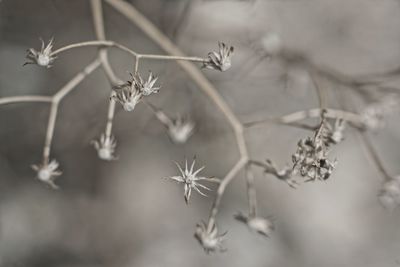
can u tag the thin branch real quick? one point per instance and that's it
(98, 23)
(251, 191)
(110, 117)
(162, 57)
(25, 98)
(290, 119)
(106, 43)
(66, 89)
(98, 43)
(221, 189)
(355, 82)
(321, 92)
(373, 155)
(50, 132)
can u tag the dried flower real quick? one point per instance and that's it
(145, 87)
(285, 174)
(190, 180)
(373, 115)
(272, 43)
(210, 241)
(335, 135)
(389, 196)
(311, 155)
(48, 172)
(105, 147)
(260, 225)
(130, 93)
(127, 95)
(220, 60)
(43, 57)
(180, 129)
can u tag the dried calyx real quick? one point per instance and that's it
(311, 158)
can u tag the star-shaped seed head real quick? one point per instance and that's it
(43, 57)
(190, 179)
(221, 60)
(47, 172)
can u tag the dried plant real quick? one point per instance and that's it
(310, 159)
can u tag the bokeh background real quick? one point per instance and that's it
(123, 213)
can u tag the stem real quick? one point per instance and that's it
(66, 89)
(98, 43)
(137, 61)
(320, 92)
(292, 118)
(373, 155)
(251, 191)
(50, 132)
(98, 23)
(194, 59)
(25, 98)
(110, 117)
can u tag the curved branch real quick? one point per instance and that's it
(204, 85)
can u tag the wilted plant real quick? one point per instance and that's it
(310, 159)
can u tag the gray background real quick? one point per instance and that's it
(123, 213)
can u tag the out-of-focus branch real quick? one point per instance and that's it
(356, 81)
(373, 155)
(292, 118)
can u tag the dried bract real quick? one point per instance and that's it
(190, 180)
(220, 60)
(48, 172)
(43, 57)
(105, 147)
(211, 241)
(260, 225)
(389, 196)
(127, 95)
(145, 87)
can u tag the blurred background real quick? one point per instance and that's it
(123, 213)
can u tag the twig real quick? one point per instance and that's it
(50, 132)
(251, 191)
(66, 89)
(373, 155)
(98, 23)
(291, 119)
(105, 43)
(25, 98)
